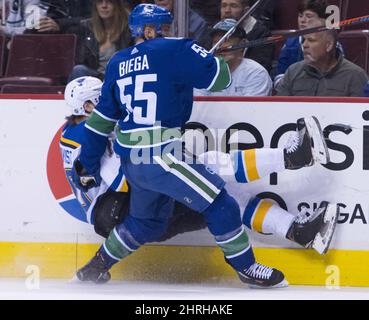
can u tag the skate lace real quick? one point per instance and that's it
(292, 142)
(259, 271)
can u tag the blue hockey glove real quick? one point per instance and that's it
(84, 180)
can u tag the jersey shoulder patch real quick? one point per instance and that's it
(72, 136)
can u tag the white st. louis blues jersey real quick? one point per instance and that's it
(70, 146)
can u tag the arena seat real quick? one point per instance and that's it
(354, 9)
(33, 81)
(11, 88)
(285, 14)
(46, 56)
(356, 47)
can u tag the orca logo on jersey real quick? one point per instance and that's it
(58, 182)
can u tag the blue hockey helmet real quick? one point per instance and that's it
(148, 14)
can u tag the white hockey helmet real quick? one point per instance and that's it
(82, 90)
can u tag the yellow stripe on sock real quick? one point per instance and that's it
(260, 215)
(250, 161)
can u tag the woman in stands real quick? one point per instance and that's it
(100, 37)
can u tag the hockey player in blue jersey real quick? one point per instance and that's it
(106, 206)
(146, 101)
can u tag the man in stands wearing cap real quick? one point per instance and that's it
(249, 77)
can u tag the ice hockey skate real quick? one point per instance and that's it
(307, 146)
(94, 271)
(315, 231)
(259, 276)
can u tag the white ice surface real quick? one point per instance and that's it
(123, 290)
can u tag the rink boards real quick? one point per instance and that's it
(40, 226)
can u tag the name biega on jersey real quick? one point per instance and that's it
(139, 63)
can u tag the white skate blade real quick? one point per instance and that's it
(282, 284)
(319, 149)
(322, 242)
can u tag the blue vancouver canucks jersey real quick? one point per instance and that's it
(148, 88)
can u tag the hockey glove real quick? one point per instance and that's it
(84, 180)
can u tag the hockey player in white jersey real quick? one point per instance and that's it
(103, 206)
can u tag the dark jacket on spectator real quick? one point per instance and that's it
(208, 9)
(262, 54)
(265, 12)
(346, 79)
(366, 90)
(88, 47)
(68, 12)
(197, 26)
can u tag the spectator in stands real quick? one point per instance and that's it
(62, 14)
(197, 26)
(309, 12)
(324, 71)
(366, 90)
(15, 15)
(255, 29)
(249, 78)
(100, 37)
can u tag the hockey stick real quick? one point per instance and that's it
(247, 14)
(282, 37)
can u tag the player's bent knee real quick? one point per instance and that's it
(110, 210)
(223, 215)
